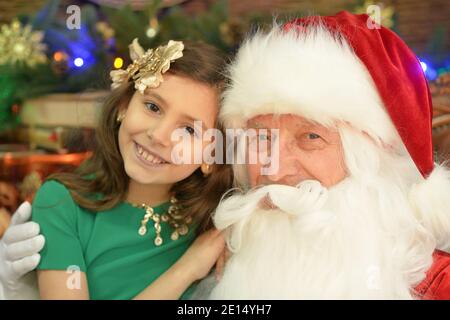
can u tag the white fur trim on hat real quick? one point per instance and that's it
(431, 201)
(313, 74)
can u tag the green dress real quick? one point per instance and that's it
(118, 262)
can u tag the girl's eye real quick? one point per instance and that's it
(152, 107)
(190, 130)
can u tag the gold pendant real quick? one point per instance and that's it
(171, 217)
(142, 230)
(174, 235)
(183, 230)
(158, 241)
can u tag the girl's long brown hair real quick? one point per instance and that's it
(104, 174)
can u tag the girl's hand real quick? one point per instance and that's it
(202, 254)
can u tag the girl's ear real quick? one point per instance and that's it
(206, 169)
(120, 116)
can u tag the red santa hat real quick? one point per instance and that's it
(344, 68)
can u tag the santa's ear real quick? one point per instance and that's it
(431, 202)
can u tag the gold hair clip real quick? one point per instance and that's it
(147, 67)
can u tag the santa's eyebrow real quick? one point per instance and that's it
(310, 125)
(258, 125)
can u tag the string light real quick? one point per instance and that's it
(151, 33)
(153, 28)
(118, 63)
(58, 56)
(78, 62)
(424, 66)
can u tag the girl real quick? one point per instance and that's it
(125, 225)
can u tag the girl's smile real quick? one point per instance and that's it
(148, 158)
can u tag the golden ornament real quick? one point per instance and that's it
(20, 45)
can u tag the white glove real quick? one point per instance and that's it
(19, 254)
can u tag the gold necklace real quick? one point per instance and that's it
(172, 217)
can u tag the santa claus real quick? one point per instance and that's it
(357, 209)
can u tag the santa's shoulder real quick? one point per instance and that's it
(436, 285)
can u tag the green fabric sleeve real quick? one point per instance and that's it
(57, 215)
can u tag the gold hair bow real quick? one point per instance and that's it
(147, 67)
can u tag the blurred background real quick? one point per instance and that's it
(55, 58)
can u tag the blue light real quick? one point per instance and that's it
(424, 66)
(79, 43)
(428, 69)
(78, 62)
(431, 74)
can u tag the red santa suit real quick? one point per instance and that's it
(436, 285)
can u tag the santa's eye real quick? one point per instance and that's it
(313, 136)
(310, 141)
(264, 135)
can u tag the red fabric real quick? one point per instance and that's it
(397, 74)
(436, 285)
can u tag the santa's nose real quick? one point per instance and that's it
(286, 174)
(289, 167)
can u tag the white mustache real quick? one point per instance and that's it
(307, 196)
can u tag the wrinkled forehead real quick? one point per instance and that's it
(278, 121)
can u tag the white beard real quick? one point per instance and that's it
(350, 249)
(363, 243)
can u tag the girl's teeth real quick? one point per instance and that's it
(147, 156)
(157, 160)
